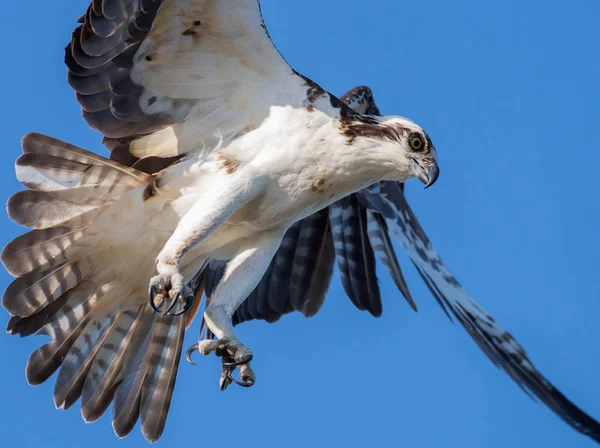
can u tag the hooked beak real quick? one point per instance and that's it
(426, 170)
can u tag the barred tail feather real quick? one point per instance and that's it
(162, 359)
(38, 247)
(28, 294)
(69, 187)
(44, 209)
(70, 166)
(149, 377)
(76, 365)
(65, 182)
(106, 371)
(127, 399)
(47, 359)
(130, 356)
(104, 346)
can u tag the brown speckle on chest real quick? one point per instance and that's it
(316, 185)
(228, 163)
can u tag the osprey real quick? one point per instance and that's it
(228, 171)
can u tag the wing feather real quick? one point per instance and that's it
(159, 78)
(383, 248)
(356, 260)
(297, 278)
(312, 266)
(388, 211)
(497, 343)
(278, 296)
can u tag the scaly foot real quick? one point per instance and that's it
(234, 354)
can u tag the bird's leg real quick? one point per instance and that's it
(242, 274)
(205, 216)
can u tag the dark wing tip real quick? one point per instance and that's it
(506, 353)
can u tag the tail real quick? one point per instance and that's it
(102, 353)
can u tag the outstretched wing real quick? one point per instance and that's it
(359, 227)
(497, 343)
(159, 78)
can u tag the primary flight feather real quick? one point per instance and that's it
(226, 167)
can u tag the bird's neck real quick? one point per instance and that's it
(360, 161)
(358, 164)
(308, 141)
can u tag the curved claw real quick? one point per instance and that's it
(173, 303)
(236, 363)
(151, 297)
(238, 382)
(190, 351)
(188, 304)
(229, 367)
(225, 380)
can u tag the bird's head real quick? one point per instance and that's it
(397, 140)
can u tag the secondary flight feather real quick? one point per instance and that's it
(226, 167)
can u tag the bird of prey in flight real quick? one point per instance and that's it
(231, 176)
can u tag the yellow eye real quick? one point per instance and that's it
(416, 142)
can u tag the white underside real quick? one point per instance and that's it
(274, 181)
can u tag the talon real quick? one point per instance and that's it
(151, 297)
(225, 380)
(247, 377)
(234, 363)
(188, 304)
(241, 383)
(190, 351)
(229, 350)
(173, 303)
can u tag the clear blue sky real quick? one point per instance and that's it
(509, 93)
